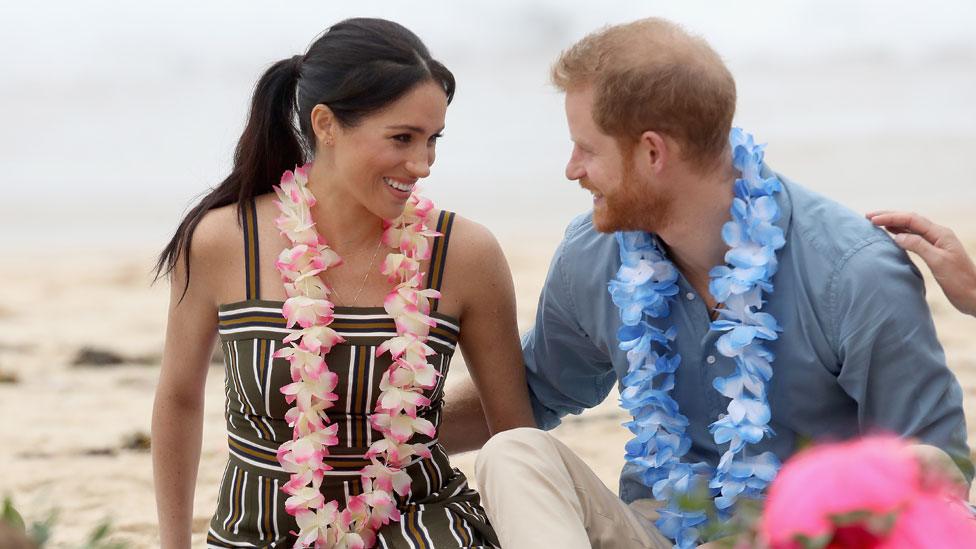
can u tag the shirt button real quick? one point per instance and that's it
(710, 359)
(690, 296)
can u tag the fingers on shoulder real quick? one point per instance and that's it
(910, 222)
(892, 220)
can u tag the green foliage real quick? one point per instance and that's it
(10, 515)
(738, 529)
(39, 533)
(98, 539)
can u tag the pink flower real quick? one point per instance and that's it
(315, 339)
(303, 421)
(292, 190)
(398, 267)
(418, 208)
(393, 398)
(303, 261)
(418, 373)
(314, 525)
(306, 311)
(297, 224)
(383, 508)
(933, 520)
(822, 492)
(396, 455)
(407, 346)
(412, 239)
(401, 426)
(305, 497)
(385, 478)
(409, 308)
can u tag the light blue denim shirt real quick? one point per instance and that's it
(858, 352)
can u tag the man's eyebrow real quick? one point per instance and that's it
(409, 128)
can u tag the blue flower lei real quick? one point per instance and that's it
(645, 284)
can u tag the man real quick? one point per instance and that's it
(813, 289)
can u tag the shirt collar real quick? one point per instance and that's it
(783, 199)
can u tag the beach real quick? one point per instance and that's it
(868, 103)
(72, 434)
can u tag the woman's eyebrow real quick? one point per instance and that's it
(408, 127)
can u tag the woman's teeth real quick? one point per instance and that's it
(396, 185)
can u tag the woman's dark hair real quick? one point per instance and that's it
(356, 67)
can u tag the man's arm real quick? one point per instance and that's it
(565, 371)
(464, 427)
(891, 361)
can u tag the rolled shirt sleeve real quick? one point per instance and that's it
(892, 364)
(566, 372)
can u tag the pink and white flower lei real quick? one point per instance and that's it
(321, 523)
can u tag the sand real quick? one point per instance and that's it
(63, 426)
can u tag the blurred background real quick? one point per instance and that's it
(115, 116)
(119, 113)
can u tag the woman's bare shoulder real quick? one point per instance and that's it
(470, 240)
(474, 258)
(212, 250)
(217, 234)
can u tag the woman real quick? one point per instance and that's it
(333, 442)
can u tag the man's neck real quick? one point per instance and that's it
(694, 231)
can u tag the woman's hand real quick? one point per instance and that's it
(941, 250)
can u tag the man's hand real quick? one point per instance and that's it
(938, 467)
(464, 427)
(941, 250)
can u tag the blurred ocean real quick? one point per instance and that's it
(114, 116)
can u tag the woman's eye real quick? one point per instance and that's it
(402, 138)
(433, 139)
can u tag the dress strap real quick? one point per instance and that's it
(252, 277)
(438, 253)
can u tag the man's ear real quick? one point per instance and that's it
(654, 151)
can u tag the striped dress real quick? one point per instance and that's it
(441, 510)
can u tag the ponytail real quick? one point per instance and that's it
(357, 67)
(269, 146)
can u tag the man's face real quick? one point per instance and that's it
(620, 201)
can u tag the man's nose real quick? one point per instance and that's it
(574, 168)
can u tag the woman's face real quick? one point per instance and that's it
(378, 161)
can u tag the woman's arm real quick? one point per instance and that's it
(489, 334)
(941, 250)
(177, 421)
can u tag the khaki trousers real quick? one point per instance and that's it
(539, 494)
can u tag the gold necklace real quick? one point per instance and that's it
(369, 269)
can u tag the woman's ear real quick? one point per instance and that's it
(324, 125)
